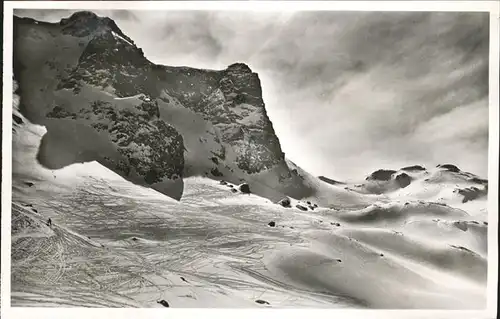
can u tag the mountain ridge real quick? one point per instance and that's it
(92, 64)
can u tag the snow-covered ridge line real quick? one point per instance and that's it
(116, 35)
(129, 97)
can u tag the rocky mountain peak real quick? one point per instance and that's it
(81, 16)
(87, 23)
(239, 67)
(94, 77)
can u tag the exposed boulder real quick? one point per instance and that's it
(479, 180)
(271, 224)
(413, 168)
(471, 193)
(403, 180)
(285, 202)
(381, 175)
(329, 180)
(164, 303)
(244, 188)
(303, 208)
(215, 172)
(17, 119)
(461, 225)
(449, 167)
(215, 160)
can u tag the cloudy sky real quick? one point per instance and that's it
(347, 92)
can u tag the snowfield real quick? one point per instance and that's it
(116, 244)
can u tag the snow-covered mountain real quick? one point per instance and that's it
(101, 99)
(98, 131)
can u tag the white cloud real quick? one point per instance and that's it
(347, 93)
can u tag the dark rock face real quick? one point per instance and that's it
(403, 180)
(151, 147)
(463, 249)
(301, 207)
(413, 168)
(479, 180)
(215, 172)
(17, 119)
(245, 188)
(381, 175)
(85, 23)
(285, 202)
(232, 100)
(449, 167)
(471, 193)
(124, 68)
(329, 180)
(461, 225)
(271, 224)
(164, 303)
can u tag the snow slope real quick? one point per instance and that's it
(118, 244)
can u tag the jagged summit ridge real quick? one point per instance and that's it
(85, 23)
(239, 67)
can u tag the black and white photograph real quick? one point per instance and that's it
(267, 159)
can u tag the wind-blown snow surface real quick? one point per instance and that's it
(117, 244)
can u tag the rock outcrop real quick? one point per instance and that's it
(449, 167)
(329, 180)
(381, 175)
(413, 168)
(403, 180)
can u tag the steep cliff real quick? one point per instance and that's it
(102, 100)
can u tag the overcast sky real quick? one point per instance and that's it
(348, 93)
